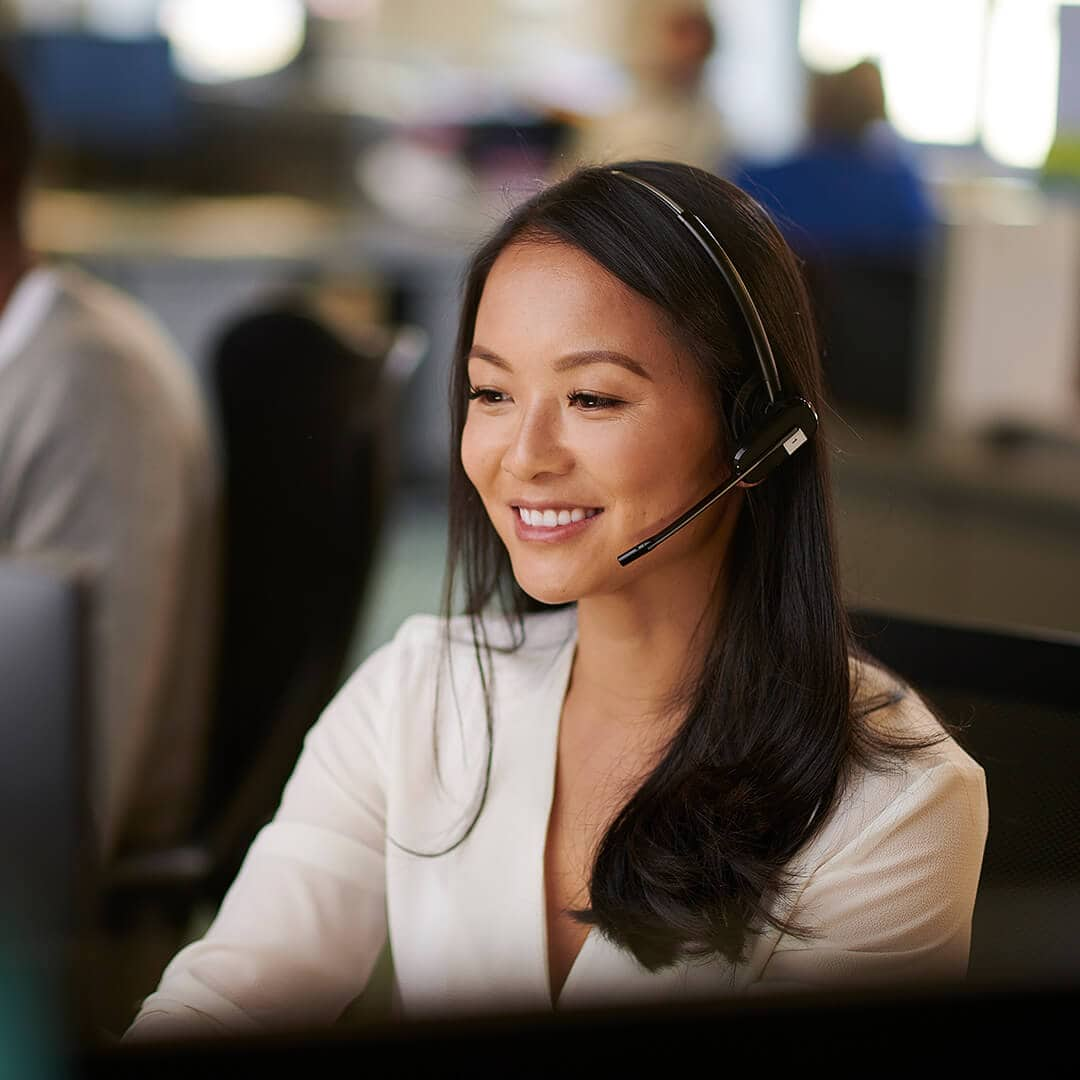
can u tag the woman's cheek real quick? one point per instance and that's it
(472, 454)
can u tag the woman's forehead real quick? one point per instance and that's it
(539, 293)
(527, 263)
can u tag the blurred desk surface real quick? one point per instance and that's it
(939, 526)
(72, 223)
(237, 227)
(1036, 473)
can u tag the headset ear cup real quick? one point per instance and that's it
(789, 425)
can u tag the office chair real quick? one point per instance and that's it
(871, 319)
(1016, 696)
(308, 426)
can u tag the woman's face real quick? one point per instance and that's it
(589, 427)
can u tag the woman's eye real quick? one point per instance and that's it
(590, 402)
(486, 395)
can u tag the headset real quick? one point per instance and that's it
(789, 422)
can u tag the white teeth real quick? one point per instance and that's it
(552, 518)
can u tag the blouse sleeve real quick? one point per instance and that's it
(301, 928)
(894, 904)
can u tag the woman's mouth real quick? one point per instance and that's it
(550, 519)
(552, 523)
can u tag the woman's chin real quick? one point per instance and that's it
(548, 592)
(554, 597)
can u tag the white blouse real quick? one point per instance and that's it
(397, 762)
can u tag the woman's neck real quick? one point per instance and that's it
(637, 651)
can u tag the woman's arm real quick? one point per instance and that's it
(301, 928)
(894, 904)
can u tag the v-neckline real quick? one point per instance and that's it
(554, 729)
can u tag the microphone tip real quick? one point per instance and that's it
(627, 557)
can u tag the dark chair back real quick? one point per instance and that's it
(871, 314)
(308, 461)
(307, 422)
(299, 523)
(1015, 695)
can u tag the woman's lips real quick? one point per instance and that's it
(568, 522)
(550, 516)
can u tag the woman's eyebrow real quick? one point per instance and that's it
(478, 352)
(571, 360)
(601, 356)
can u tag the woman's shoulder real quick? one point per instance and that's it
(929, 785)
(896, 711)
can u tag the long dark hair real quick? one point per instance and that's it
(695, 861)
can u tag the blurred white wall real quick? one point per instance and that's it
(757, 78)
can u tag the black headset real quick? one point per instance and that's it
(789, 422)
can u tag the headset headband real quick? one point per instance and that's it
(697, 228)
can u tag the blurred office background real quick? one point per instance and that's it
(220, 158)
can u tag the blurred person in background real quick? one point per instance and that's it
(670, 114)
(106, 454)
(852, 189)
(852, 203)
(602, 782)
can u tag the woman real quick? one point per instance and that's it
(654, 780)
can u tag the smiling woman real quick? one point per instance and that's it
(575, 424)
(651, 778)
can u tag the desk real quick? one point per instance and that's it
(948, 526)
(950, 1027)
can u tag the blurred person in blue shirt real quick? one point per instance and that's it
(853, 205)
(852, 188)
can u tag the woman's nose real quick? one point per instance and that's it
(537, 446)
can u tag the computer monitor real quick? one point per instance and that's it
(44, 712)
